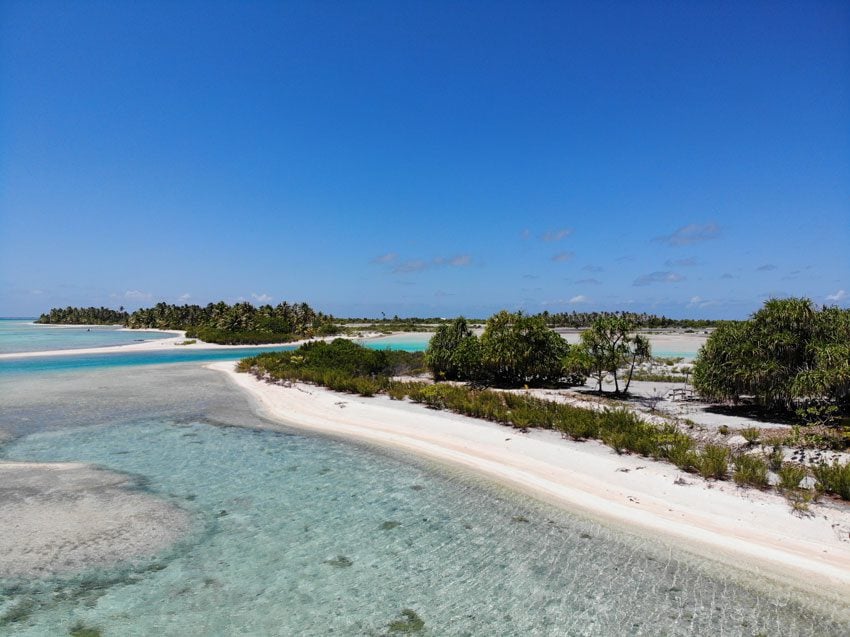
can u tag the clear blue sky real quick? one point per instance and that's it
(687, 158)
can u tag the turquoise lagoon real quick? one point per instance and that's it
(297, 534)
(22, 335)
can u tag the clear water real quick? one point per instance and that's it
(22, 335)
(304, 535)
(70, 362)
(411, 342)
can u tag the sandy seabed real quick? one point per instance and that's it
(64, 517)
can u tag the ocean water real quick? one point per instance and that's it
(297, 534)
(22, 335)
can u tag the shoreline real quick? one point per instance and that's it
(750, 530)
(157, 344)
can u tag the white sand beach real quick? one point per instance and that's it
(738, 527)
(175, 342)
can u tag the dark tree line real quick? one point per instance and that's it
(241, 323)
(84, 316)
(640, 320)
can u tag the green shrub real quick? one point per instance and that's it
(750, 471)
(751, 435)
(833, 478)
(724, 430)
(791, 475)
(714, 462)
(682, 454)
(775, 458)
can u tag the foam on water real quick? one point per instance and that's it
(303, 535)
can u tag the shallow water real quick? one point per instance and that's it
(22, 335)
(302, 535)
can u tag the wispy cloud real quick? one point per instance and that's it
(690, 234)
(590, 281)
(593, 268)
(530, 276)
(563, 256)
(184, 298)
(767, 267)
(700, 302)
(579, 298)
(556, 235)
(458, 261)
(261, 298)
(726, 275)
(137, 295)
(688, 262)
(658, 277)
(838, 296)
(418, 265)
(413, 265)
(525, 235)
(389, 257)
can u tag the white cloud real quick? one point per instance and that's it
(136, 295)
(417, 265)
(414, 265)
(658, 277)
(580, 298)
(838, 296)
(688, 262)
(690, 234)
(184, 298)
(767, 267)
(563, 256)
(389, 257)
(261, 298)
(556, 235)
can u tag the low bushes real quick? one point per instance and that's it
(750, 471)
(833, 478)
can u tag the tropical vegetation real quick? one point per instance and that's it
(515, 350)
(240, 323)
(84, 316)
(789, 356)
(608, 346)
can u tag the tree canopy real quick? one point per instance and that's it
(789, 356)
(606, 347)
(84, 316)
(240, 323)
(514, 350)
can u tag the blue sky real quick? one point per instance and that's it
(427, 158)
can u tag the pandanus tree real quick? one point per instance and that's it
(453, 352)
(518, 349)
(606, 347)
(788, 356)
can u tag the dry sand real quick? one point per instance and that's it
(64, 517)
(739, 527)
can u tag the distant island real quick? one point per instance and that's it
(221, 323)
